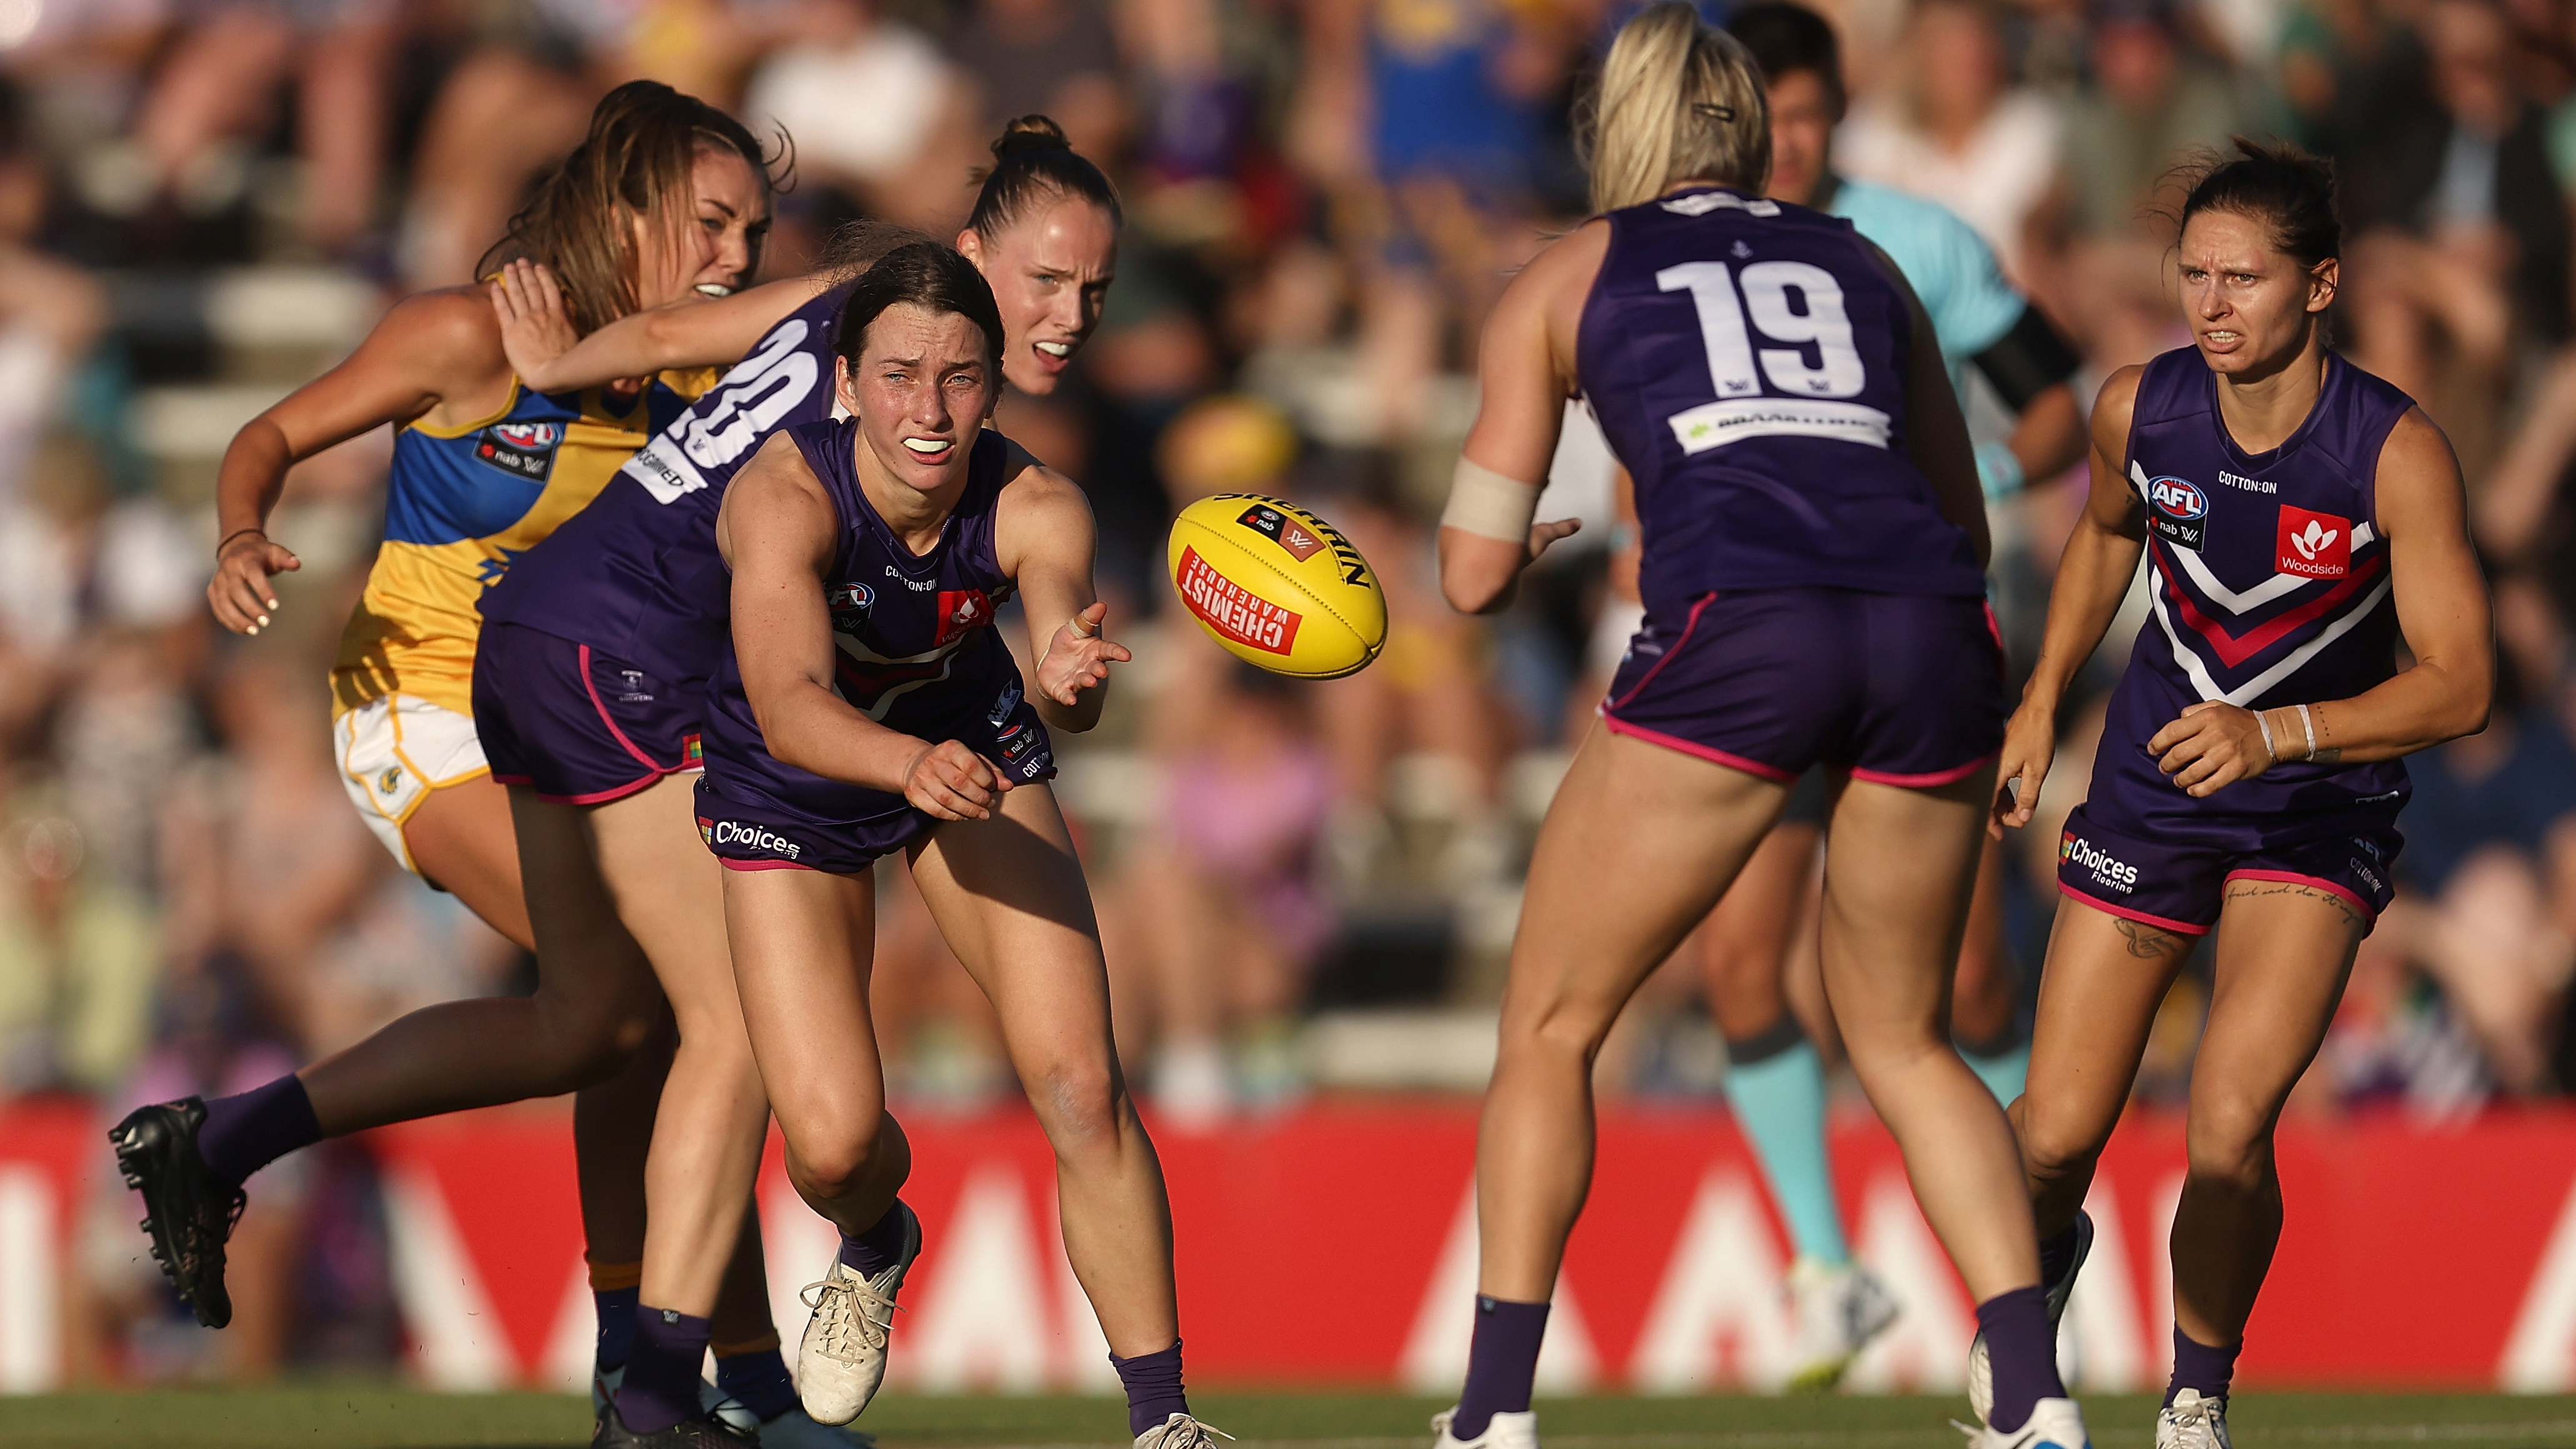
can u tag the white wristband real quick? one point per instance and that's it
(2308, 723)
(2265, 725)
(1489, 505)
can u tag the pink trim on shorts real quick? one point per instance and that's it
(500, 779)
(730, 864)
(2368, 912)
(2183, 928)
(1619, 726)
(1930, 781)
(1994, 629)
(602, 797)
(1688, 626)
(592, 686)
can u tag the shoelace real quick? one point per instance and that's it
(1191, 1435)
(2196, 1424)
(842, 1305)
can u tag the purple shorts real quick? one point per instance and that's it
(580, 727)
(762, 834)
(1898, 689)
(2179, 884)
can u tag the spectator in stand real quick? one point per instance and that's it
(906, 155)
(2489, 872)
(1046, 57)
(2150, 105)
(1225, 912)
(218, 87)
(1951, 125)
(78, 957)
(2464, 232)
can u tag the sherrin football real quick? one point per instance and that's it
(1277, 586)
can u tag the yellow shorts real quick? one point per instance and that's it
(393, 751)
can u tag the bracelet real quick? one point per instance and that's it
(2261, 722)
(2308, 722)
(236, 533)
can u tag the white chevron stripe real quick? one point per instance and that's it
(2275, 587)
(2253, 689)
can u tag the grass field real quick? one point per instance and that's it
(374, 1416)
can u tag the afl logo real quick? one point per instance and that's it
(528, 435)
(850, 604)
(2175, 510)
(2177, 498)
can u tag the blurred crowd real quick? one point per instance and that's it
(1325, 196)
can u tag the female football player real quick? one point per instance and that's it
(2300, 513)
(868, 705)
(667, 197)
(1813, 547)
(590, 683)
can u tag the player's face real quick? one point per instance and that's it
(718, 251)
(1050, 272)
(920, 389)
(2250, 307)
(1802, 133)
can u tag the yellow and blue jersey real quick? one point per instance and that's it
(461, 504)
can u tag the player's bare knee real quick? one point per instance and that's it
(2229, 1141)
(831, 1165)
(2055, 1145)
(1081, 1104)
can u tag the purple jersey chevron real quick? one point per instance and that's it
(2270, 587)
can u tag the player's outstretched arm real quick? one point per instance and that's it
(1525, 372)
(549, 356)
(2092, 577)
(2443, 609)
(777, 531)
(433, 348)
(1045, 539)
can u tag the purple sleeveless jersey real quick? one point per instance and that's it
(918, 653)
(1747, 360)
(635, 575)
(2270, 587)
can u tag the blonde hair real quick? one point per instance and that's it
(1677, 100)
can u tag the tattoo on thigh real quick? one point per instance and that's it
(2251, 889)
(2149, 943)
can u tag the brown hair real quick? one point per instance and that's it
(636, 161)
(2274, 183)
(1032, 161)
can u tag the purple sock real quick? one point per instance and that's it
(2022, 1352)
(243, 1134)
(1502, 1359)
(2056, 1255)
(2198, 1366)
(877, 1249)
(616, 1309)
(759, 1380)
(1154, 1390)
(661, 1386)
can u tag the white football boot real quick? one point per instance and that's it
(842, 1358)
(1180, 1431)
(1507, 1431)
(2053, 1424)
(1838, 1309)
(1981, 1374)
(794, 1429)
(2192, 1422)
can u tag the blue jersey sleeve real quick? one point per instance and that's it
(1949, 266)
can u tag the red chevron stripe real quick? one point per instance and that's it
(2234, 650)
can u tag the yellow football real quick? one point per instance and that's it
(1277, 586)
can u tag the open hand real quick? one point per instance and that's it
(240, 592)
(2212, 746)
(535, 328)
(948, 781)
(1078, 657)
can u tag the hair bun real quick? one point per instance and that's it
(1030, 133)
